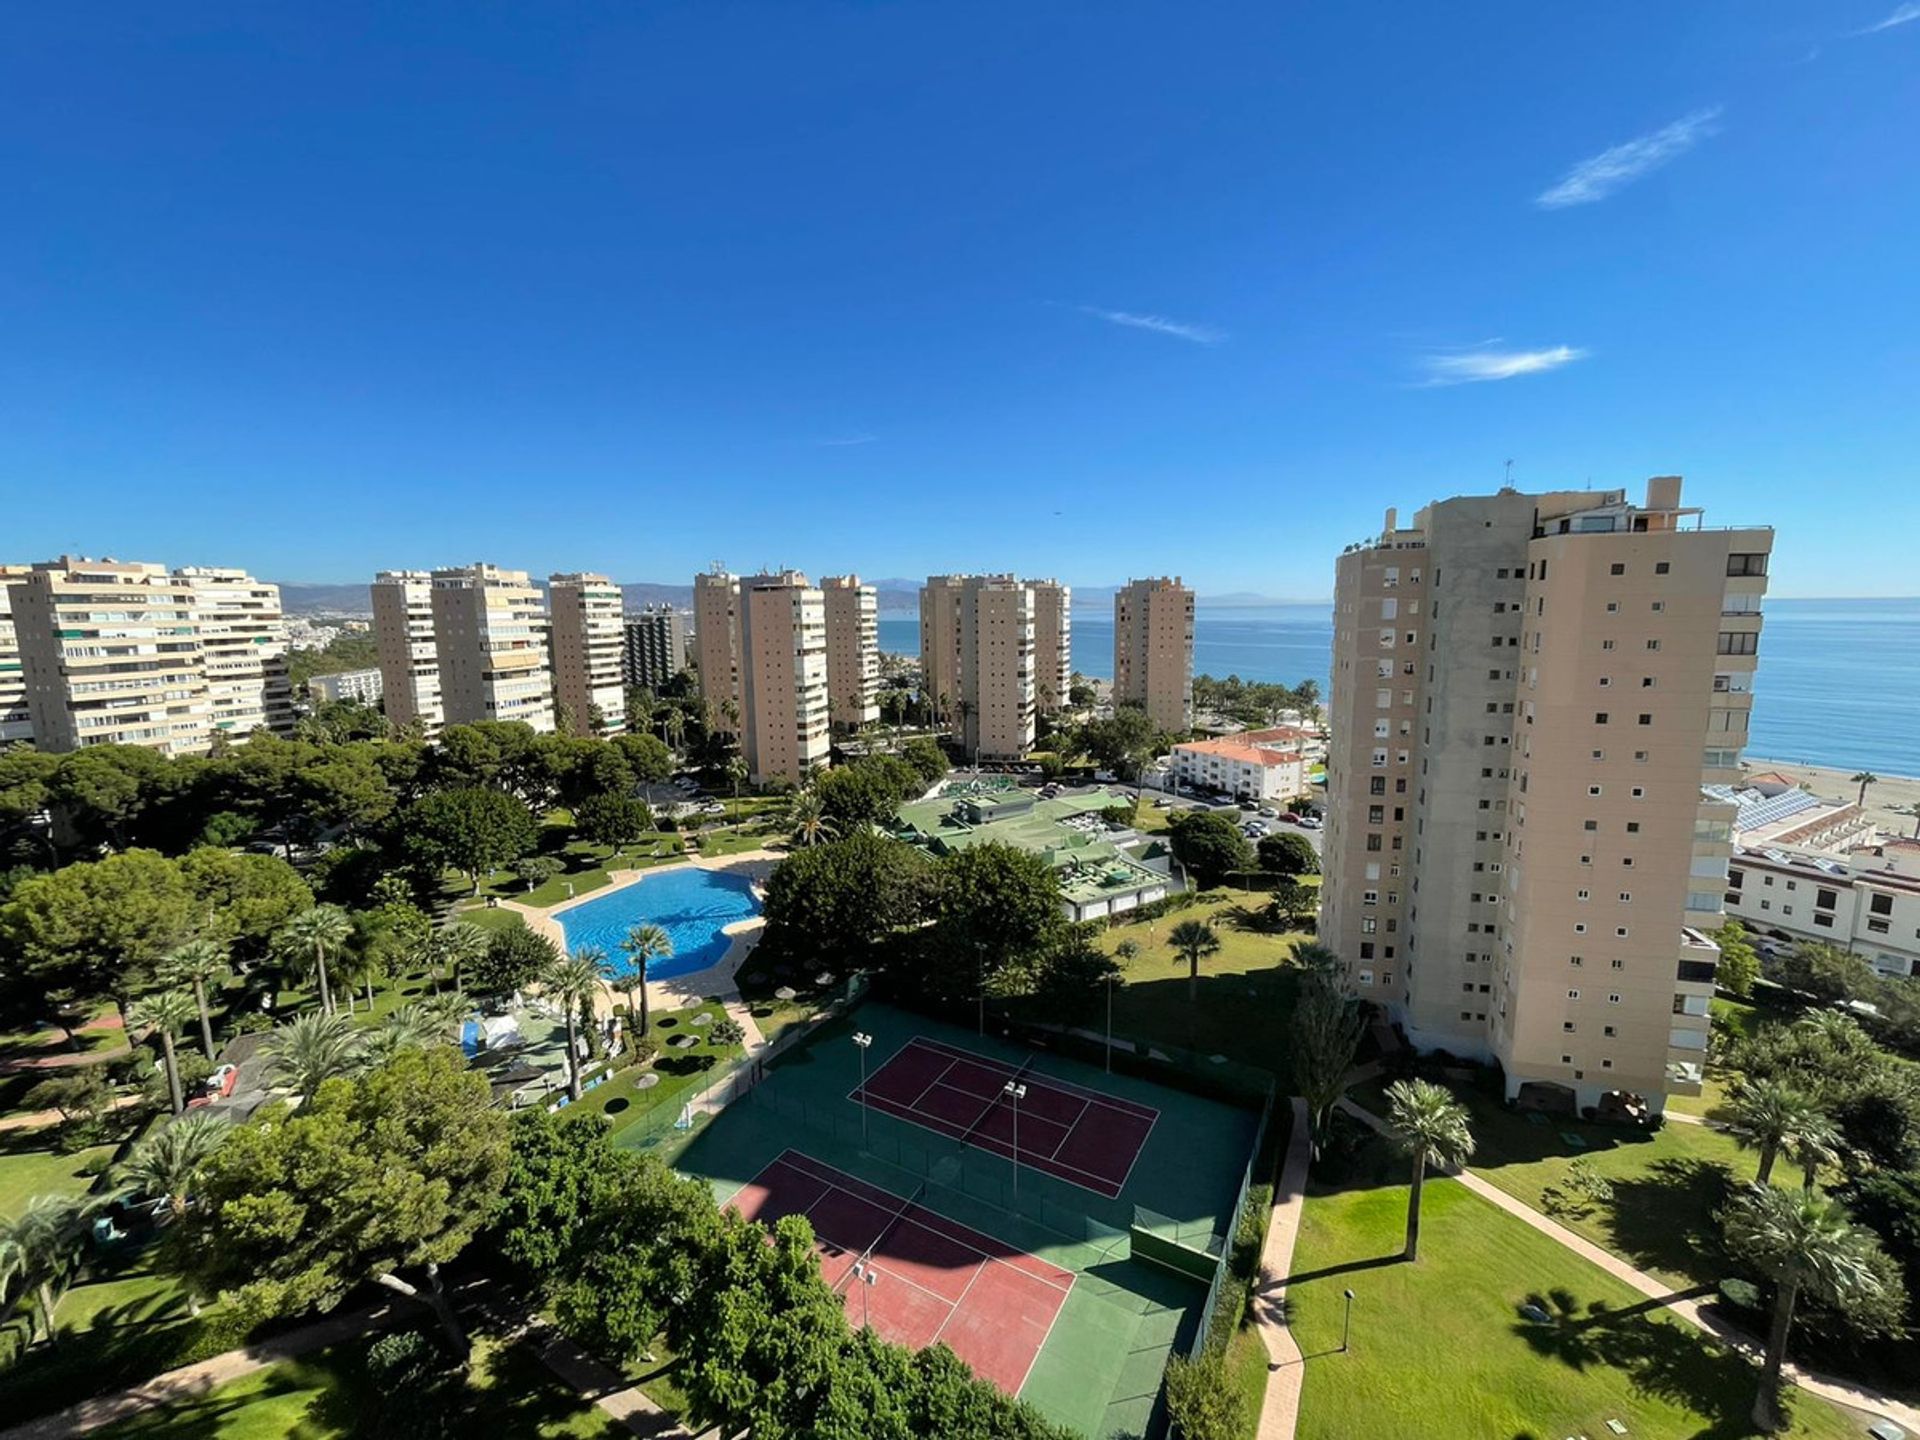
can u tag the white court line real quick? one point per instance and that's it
(1034, 1359)
(961, 1301)
(1051, 1082)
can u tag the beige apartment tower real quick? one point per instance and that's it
(940, 643)
(853, 651)
(1153, 650)
(1052, 645)
(409, 662)
(1528, 693)
(16, 724)
(110, 654)
(243, 644)
(996, 704)
(589, 652)
(716, 647)
(490, 633)
(783, 674)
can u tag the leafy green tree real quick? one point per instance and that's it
(1203, 1401)
(1768, 1116)
(649, 759)
(559, 1171)
(25, 784)
(394, 1171)
(81, 1096)
(313, 937)
(998, 912)
(515, 957)
(535, 870)
(474, 831)
(1193, 941)
(926, 757)
(198, 964)
(456, 947)
(167, 1165)
(847, 897)
(347, 790)
(1430, 1126)
(1825, 972)
(246, 897)
(1805, 1244)
(1292, 903)
(868, 792)
(311, 1049)
(164, 1012)
(1288, 853)
(615, 821)
(42, 1246)
(1209, 845)
(103, 789)
(1879, 1118)
(1739, 963)
(644, 944)
(575, 983)
(1121, 743)
(1888, 1203)
(1327, 1029)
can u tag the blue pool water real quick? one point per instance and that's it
(691, 905)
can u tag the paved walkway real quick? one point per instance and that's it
(1687, 1305)
(1280, 1410)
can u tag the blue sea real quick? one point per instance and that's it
(1839, 680)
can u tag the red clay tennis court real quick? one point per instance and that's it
(990, 1304)
(1082, 1136)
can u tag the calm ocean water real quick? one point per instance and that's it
(1839, 680)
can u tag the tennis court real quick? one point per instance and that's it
(1085, 1137)
(932, 1279)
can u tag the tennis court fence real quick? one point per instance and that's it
(1223, 1266)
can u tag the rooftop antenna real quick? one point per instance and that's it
(1509, 480)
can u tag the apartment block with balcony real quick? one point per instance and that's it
(853, 651)
(1052, 645)
(717, 647)
(1866, 900)
(16, 722)
(996, 704)
(243, 642)
(364, 687)
(585, 612)
(1153, 650)
(491, 636)
(655, 646)
(409, 658)
(940, 642)
(110, 654)
(785, 729)
(1529, 693)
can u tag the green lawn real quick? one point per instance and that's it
(508, 1393)
(26, 1172)
(1439, 1347)
(681, 1072)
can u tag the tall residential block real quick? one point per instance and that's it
(996, 704)
(853, 651)
(589, 652)
(655, 646)
(243, 644)
(783, 677)
(409, 662)
(15, 722)
(490, 633)
(1052, 644)
(716, 644)
(940, 642)
(1529, 692)
(111, 654)
(1153, 650)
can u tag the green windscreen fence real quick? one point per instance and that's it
(1196, 1265)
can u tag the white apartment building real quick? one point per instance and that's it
(853, 651)
(1866, 900)
(589, 645)
(111, 654)
(996, 701)
(409, 661)
(364, 686)
(243, 643)
(16, 723)
(1241, 767)
(1052, 645)
(785, 729)
(490, 634)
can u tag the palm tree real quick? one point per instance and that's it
(457, 946)
(673, 728)
(737, 774)
(167, 1165)
(575, 982)
(313, 934)
(311, 1049)
(1312, 955)
(1818, 1142)
(808, 821)
(1863, 779)
(644, 944)
(1431, 1126)
(964, 708)
(198, 964)
(165, 1012)
(42, 1244)
(1802, 1241)
(1767, 1115)
(1193, 941)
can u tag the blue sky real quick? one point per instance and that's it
(1094, 290)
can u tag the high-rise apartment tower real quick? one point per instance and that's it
(243, 644)
(996, 704)
(589, 652)
(783, 674)
(1052, 644)
(409, 662)
(940, 643)
(716, 645)
(656, 646)
(853, 651)
(1153, 650)
(490, 634)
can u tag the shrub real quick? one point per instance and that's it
(727, 1031)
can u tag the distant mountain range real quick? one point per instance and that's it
(896, 597)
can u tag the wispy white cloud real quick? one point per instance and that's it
(1903, 15)
(1599, 176)
(1483, 362)
(1160, 325)
(840, 440)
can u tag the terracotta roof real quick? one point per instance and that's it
(1291, 735)
(1235, 748)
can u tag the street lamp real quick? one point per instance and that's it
(867, 1277)
(863, 1041)
(980, 981)
(1110, 980)
(1015, 1093)
(1346, 1331)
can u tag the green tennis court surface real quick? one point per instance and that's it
(802, 1135)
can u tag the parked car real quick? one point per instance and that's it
(1291, 817)
(1310, 822)
(1269, 812)
(1248, 805)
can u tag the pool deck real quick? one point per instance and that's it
(717, 979)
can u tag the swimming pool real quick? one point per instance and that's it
(691, 905)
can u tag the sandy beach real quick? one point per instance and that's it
(1890, 799)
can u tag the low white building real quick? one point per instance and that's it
(362, 685)
(1866, 901)
(1241, 766)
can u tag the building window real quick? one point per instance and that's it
(1600, 717)
(1661, 567)
(1617, 569)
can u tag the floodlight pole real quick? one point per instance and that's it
(867, 1277)
(1346, 1330)
(980, 982)
(863, 1041)
(1109, 1024)
(1016, 1093)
